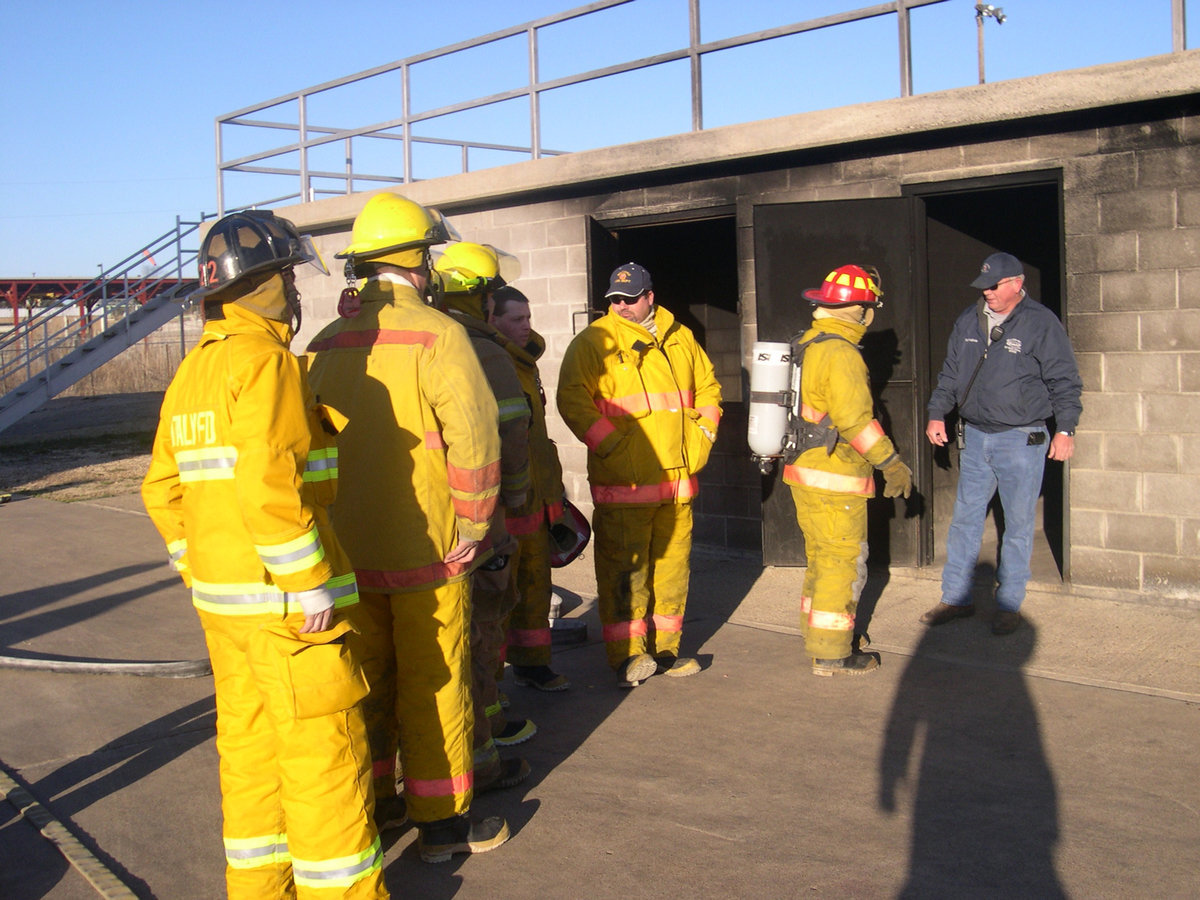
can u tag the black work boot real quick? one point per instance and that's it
(390, 813)
(440, 840)
(541, 677)
(854, 664)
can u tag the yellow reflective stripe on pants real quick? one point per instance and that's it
(261, 599)
(209, 464)
(249, 853)
(340, 872)
(292, 556)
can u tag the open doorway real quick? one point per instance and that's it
(965, 222)
(694, 264)
(928, 246)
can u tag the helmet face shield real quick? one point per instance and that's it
(309, 254)
(510, 268)
(441, 231)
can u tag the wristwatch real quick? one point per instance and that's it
(1070, 433)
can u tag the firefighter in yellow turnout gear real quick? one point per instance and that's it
(639, 391)
(242, 468)
(469, 272)
(420, 467)
(831, 489)
(529, 637)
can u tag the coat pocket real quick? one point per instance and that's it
(318, 674)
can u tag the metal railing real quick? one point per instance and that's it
(311, 136)
(50, 332)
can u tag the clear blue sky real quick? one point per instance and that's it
(108, 108)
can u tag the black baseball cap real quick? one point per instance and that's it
(629, 280)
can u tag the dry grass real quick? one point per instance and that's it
(76, 468)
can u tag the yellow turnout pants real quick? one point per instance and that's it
(643, 564)
(529, 637)
(835, 541)
(418, 664)
(295, 770)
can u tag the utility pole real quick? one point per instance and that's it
(982, 11)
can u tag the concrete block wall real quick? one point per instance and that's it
(1133, 262)
(1131, 195)
(550, 240)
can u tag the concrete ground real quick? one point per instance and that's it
(1061, 760)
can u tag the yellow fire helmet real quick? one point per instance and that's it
(466, 267)
(393, 229)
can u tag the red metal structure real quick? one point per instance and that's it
(32, 293)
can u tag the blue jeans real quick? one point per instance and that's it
(989, 461)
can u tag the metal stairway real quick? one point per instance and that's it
(117, 309)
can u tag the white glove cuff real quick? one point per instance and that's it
(315, 601)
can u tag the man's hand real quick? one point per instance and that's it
(464, 552)
(318, 621)
(897, 479)
(1062, 447)
(936, 432)
(318, 609)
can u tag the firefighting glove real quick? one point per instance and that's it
(897, 479)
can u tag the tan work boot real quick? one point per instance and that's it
(854, 664)
(438, 841)
(636, 669)
(676, 666)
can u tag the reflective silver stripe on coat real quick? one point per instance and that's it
(209, 464)
(252, 599)
(321, 465)
(280, 558)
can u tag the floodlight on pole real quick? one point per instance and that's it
(984, 11)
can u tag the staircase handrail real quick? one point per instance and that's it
(108, 298)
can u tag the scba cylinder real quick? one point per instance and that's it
(770, 382)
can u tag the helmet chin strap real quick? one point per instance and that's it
(433, 283)
(296, 310)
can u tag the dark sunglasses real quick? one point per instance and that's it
(618, 300)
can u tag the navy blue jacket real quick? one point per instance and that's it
(1028, 375)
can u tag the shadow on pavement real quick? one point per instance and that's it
(101, 774)
(566, 720)
(984, 804)
(21, 625)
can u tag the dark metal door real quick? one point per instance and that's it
(795, 246)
